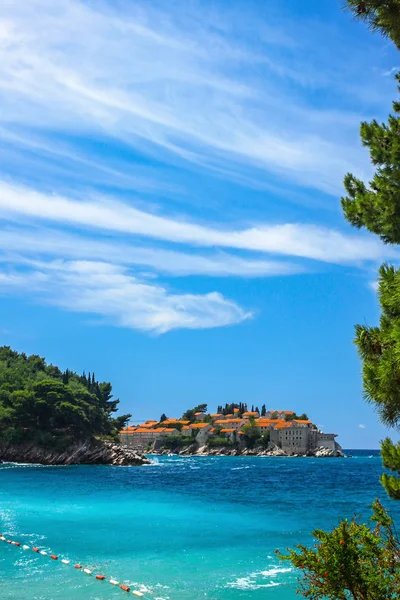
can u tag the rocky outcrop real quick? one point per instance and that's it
(272, 450)
(85, 453)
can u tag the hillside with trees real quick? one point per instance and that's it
(40, 403)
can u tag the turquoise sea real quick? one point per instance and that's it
(180, 529)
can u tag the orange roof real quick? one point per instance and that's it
(151, 421)
(172, 421)
(230, 415)
(227, 430)
(148, 424)
(145, 430)
(250, 413)
(303, 421)
(241, 432)
(165, 429)
(283, 425)
(185, 428)
(211, 430)
(198, 413)
(235, 410)
(288, 412)
(198, 425)
(225, 421)
(216, 415)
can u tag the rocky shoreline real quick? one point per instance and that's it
(85, 453)
(226, 451)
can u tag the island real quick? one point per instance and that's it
(233, 430)
(55, 417)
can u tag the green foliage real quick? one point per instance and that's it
(379, 349)
(376, 206)
(177, 426)
(218, 441)
(391, 460)
(189, 415)
(252, 433)
(174, 442)
(229, 408)
(351, 562)
(302, 417)
(380, 15)
(264, 439)
(39, 402)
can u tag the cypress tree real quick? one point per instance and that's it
(263, 410)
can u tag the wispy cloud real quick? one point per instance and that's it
(109, 111)
(17, 243)
(121, 299)
(171, 84)
(361, 426)
(307, 241)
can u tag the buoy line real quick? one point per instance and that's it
(77, 566)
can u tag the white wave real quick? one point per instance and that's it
(274, 572)
(256, 580)
(247, 583)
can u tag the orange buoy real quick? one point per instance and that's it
(125, 588)
(101, 577)
(54, 556)
(35, 549)
(78, 566)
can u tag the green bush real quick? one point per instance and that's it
(215, 442)
(351, 562)
(175, 441)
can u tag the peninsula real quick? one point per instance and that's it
(55, 417)
(232, 430)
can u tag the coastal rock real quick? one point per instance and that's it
(84, 453)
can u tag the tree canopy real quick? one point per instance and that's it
(351, 562)
(39, 401)
(382, 16)
(189, 415)
(376, 205)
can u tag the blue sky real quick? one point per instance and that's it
(170, 177)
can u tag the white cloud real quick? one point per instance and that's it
(171, 83)
(374, 285)
(19, 242)
(361, 426)
(121, 299)
(307, 241)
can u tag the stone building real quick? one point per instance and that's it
(300, 437)
(139, 438)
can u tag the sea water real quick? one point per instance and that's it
(179, 529)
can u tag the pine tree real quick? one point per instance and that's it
(263, 410)
(380, 15)
(376, 207)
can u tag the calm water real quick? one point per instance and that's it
(183, 528)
